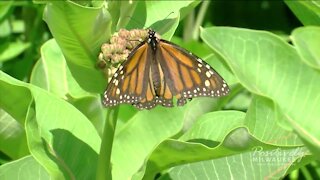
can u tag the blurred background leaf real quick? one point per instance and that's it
(308, 12)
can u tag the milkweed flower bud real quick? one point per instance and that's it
(117, 49)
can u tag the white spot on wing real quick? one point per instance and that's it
(208, 74)
(118, 91)
(207, 83)
(116, 82)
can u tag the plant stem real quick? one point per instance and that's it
(104, 169)
(188, 24)
(199, 20)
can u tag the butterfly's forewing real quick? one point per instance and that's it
(148, 97)
(186, 75)
(130, 82)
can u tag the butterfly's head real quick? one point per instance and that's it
(153, 38)
(151, 33)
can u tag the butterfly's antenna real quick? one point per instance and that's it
(169, 14)
(162, 23)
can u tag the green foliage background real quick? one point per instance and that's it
(53, 125)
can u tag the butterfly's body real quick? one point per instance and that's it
(155, 66)
(158, 70)
(155, 76)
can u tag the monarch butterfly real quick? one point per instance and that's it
(156, 71)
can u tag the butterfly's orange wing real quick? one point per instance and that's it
(186, 75)
(131, 83)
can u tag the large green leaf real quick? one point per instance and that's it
(221, 135)
(13, 140)
(263, 115)
(140, 135)
(14, 100)
(268, 66)
(80, 31)
(192, 146)
(93, 109)
(259, 164)
(307, 42)
(52, 73)
(58, 134)
(25, 168)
